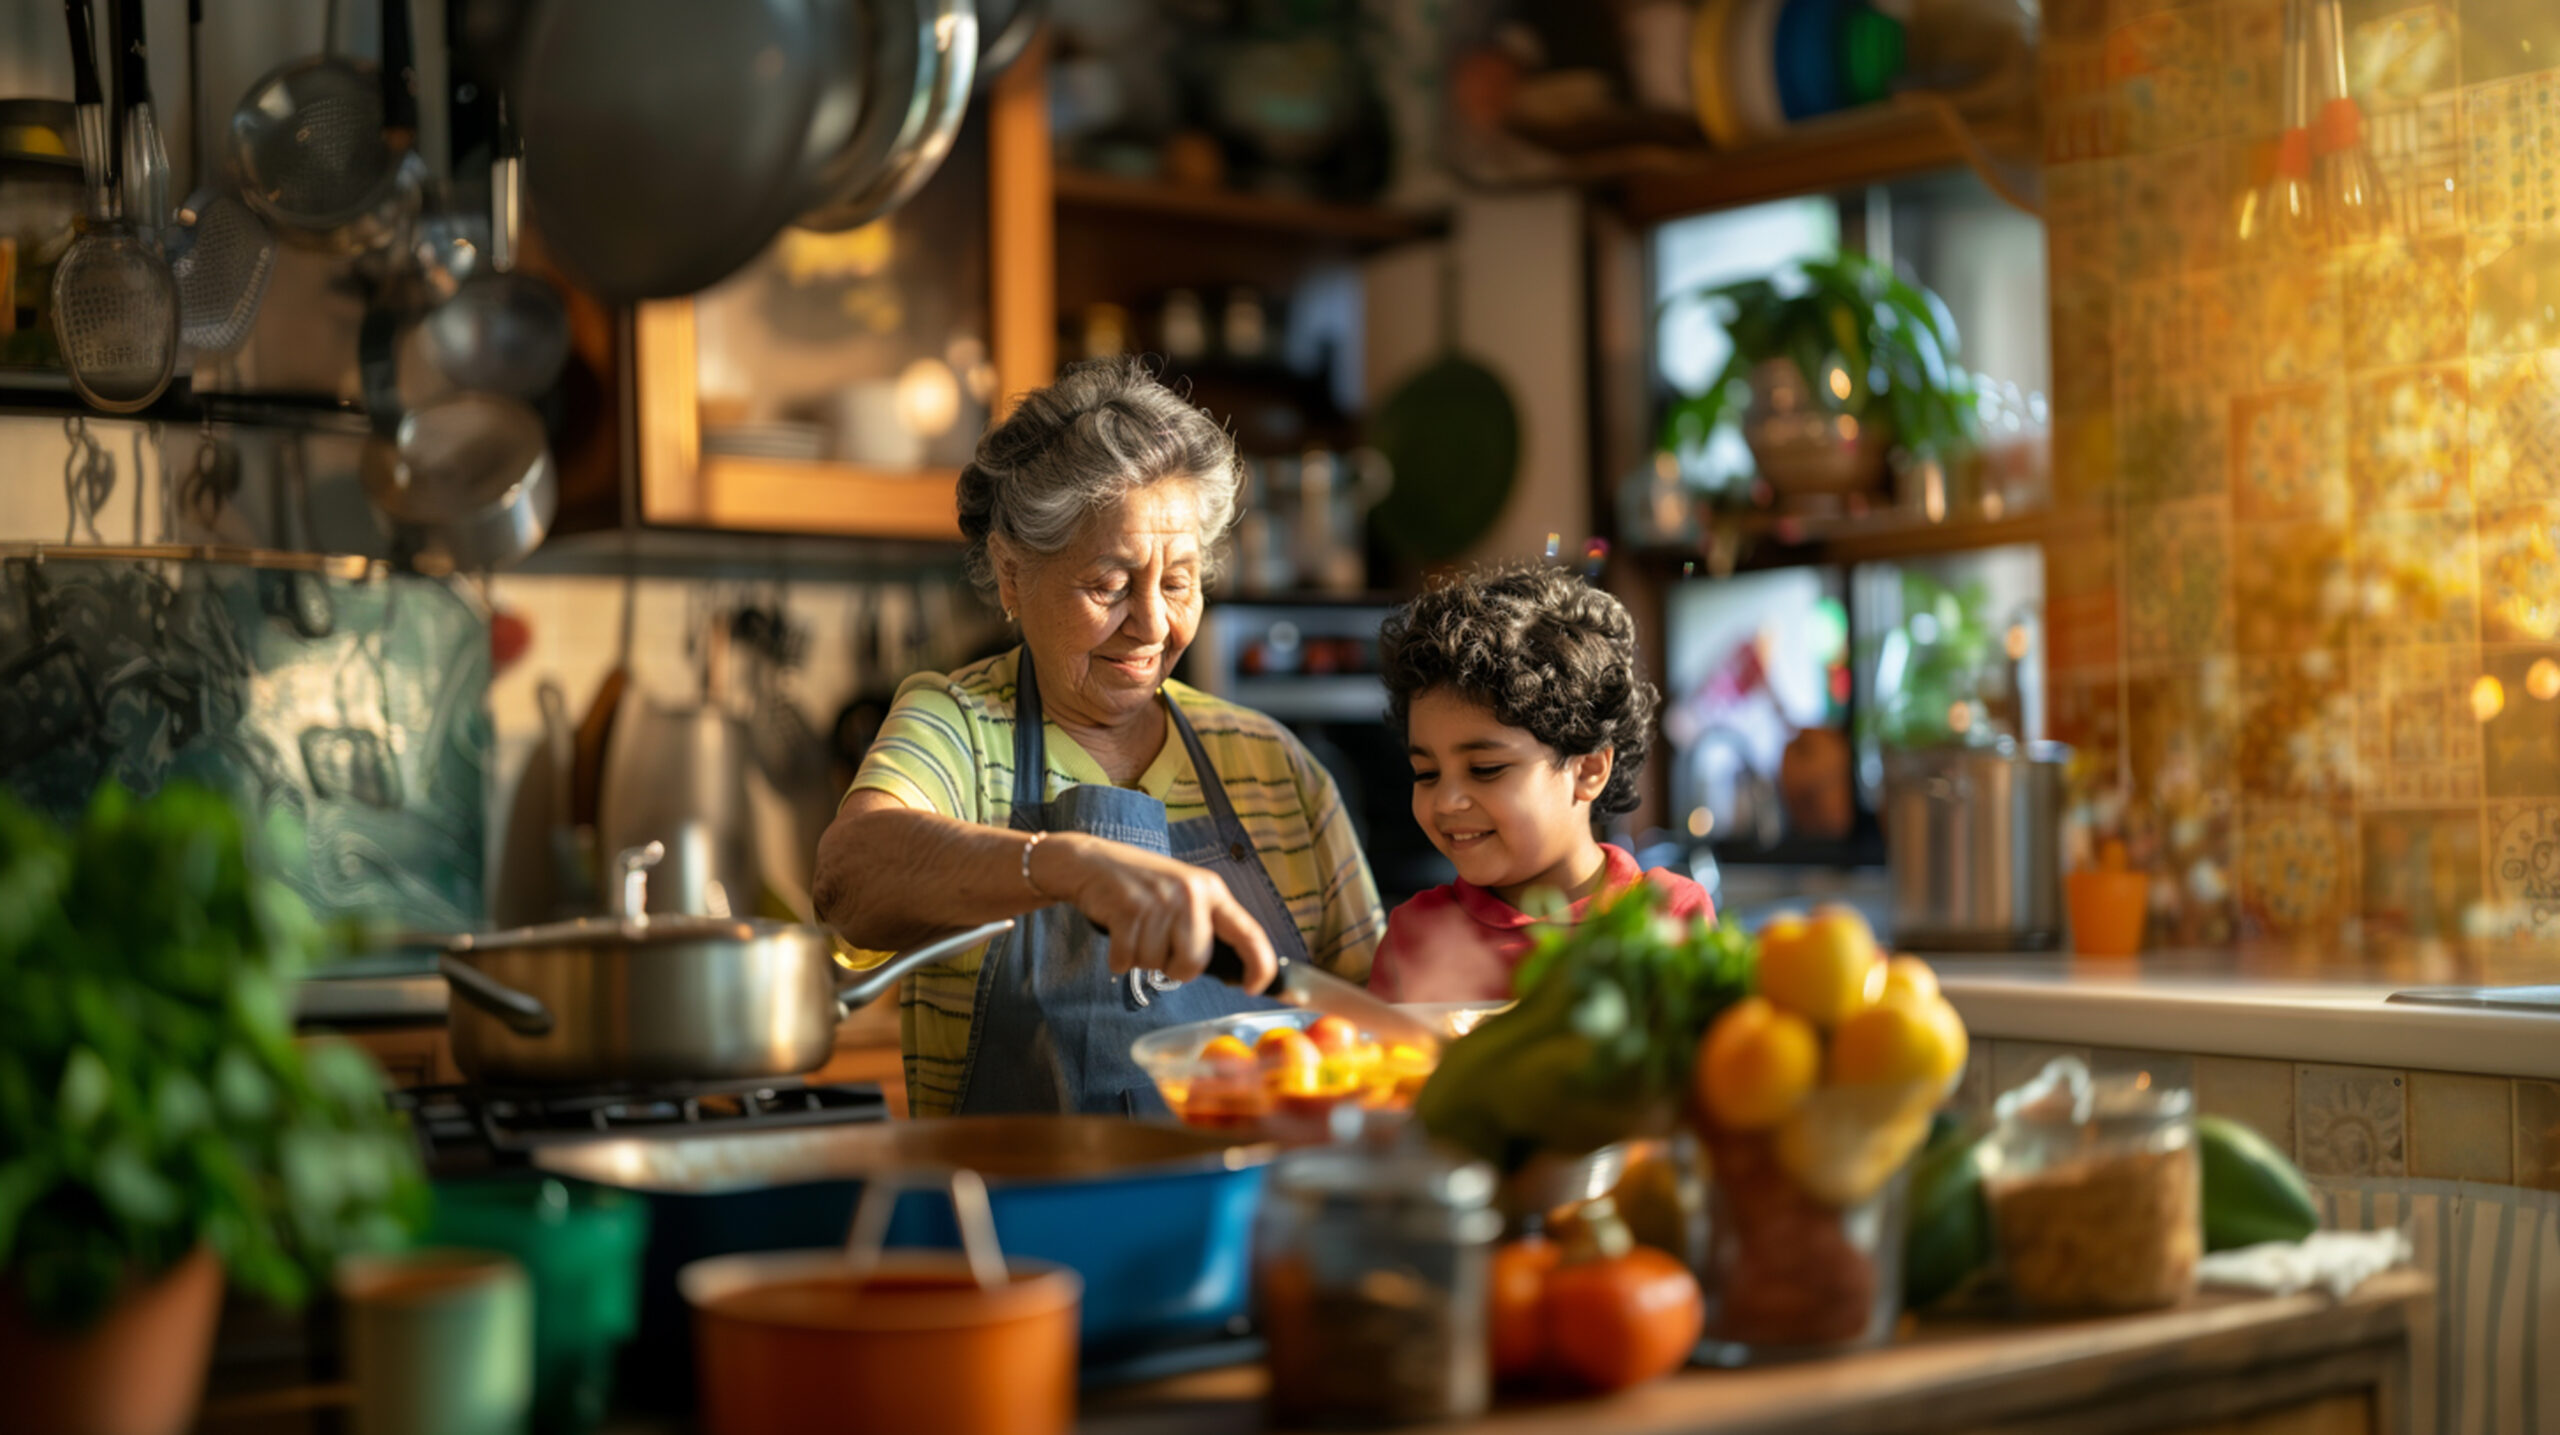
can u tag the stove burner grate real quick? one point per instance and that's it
(464, 1125)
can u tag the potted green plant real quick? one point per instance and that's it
(160, 1125)
(1837, 362)
(1932, 669)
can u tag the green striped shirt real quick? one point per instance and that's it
(947, 747)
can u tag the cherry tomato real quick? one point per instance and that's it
(1225, 1050)
(1285, 1053)
(1334, 1036)
(1520, 1271)
(1622, 1320)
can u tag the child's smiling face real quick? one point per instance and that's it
(1499, 803)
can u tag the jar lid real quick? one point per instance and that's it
(1401, 1178)
(2066, 1094)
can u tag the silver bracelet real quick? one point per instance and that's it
(1036, 839)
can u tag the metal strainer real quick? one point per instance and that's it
(220, 253)
(115, 308)
(311, 146)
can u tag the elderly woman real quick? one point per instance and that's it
(1130, 819)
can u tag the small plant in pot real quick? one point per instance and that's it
(160, 1126)
(1837, 364)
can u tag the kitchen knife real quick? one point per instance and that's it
(1303, 984)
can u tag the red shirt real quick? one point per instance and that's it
(1460, 942)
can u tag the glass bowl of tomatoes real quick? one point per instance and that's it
(1289, 1075)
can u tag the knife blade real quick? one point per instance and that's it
(1303, 984)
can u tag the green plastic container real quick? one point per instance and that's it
(581, 1245)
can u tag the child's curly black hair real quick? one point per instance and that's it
(1547, 652)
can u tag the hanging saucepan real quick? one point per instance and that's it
(924, 55)
(666, 142)
(637, 998)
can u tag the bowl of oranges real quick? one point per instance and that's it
(1289, 1075)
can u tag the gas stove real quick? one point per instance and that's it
(465, 1128)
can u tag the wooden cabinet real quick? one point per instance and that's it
(837, 384)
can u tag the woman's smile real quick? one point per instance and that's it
(1137, 667)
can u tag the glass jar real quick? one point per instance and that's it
(1371, 1284)
(2095, 1191)
(1790, 1272)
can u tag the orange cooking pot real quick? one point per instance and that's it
(954, 1342)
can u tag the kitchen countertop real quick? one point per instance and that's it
(2219, 1003)
(2243, 1004)
(2305, 1362)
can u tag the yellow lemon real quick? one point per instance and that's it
(1823, 968)
(1889, 1043)
(1909, 979)
(1953, 1044)
(1757, 1065)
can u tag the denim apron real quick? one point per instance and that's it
(1052, 1026)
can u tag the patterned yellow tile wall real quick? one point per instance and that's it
(2318, 641)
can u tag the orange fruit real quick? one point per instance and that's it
(1223, 1049)
(1890, 1043)
(1757, 1065)
(1823, 968)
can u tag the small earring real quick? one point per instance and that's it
(1008, 615)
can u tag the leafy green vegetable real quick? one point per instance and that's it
(1599, 1048)
(152, 1095)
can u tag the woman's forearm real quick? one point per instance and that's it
(889, 876)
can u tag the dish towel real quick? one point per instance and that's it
(2335, 1261)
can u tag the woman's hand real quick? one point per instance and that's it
(1161, 913)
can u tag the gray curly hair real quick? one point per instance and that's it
(1079, 446)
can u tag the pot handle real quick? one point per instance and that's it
(969, 1208)
(863, 988)
(524, 1015)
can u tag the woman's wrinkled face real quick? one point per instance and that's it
(1107, 618)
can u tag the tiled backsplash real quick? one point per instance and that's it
(2319, 642)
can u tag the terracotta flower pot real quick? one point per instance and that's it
(139, 1371)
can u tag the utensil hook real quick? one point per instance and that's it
(968, 1193)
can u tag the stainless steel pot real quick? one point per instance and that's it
(639, 999)
(1973, 836)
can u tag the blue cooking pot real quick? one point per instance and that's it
(1158, 1219)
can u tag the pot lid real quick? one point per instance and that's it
(642, 931)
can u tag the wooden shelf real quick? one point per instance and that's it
(1358, 225)
(1992, 129)
(1770, 540)
(1845, 151)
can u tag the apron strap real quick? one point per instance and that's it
(1213, 789)
(1030, 748)
(1031, 759)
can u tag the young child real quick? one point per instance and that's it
(1518, 694)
